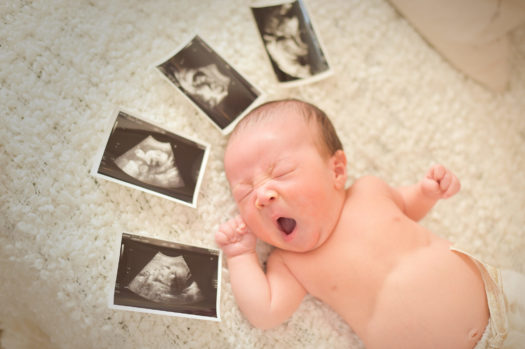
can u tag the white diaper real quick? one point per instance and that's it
(513, 286)
(506, 300)
(497, 327)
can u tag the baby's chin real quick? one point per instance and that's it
(295, 242)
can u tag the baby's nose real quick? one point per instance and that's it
(265, 197)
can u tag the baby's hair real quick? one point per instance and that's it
(329, 141)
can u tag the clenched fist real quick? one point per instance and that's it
(440, 183)
(235, 238)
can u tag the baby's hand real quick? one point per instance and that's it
(440, 183)
(234, 238)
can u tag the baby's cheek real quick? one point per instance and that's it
(247, 207)
(252, 220)
(248, 218)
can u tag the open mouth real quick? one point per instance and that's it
(287, 225)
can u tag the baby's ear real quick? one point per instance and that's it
(338, 166)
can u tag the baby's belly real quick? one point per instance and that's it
(433, 298)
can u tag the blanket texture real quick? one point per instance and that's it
(66, 65)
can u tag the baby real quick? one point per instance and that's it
(358, 249)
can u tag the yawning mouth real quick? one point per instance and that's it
(287, 225)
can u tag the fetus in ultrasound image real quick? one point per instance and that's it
(206, 83)
(167, 280)
(151, 162)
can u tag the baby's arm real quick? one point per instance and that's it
(418, 199)
(266, 300)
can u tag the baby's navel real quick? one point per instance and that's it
(474, 334)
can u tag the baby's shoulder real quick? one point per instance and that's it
(370, 183)
(370, 187)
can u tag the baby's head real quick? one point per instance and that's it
(315, 119)
(287, 172)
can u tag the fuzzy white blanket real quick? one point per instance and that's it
(65, 65)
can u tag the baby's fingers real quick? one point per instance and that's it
(221, 238)
(444, 183)
(228, 228)
(436, 172)
(453, 187)
(431, 187)
(240, 226)
(227, 236)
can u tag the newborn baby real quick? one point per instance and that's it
(358, 249)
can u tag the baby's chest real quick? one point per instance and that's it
(325, 274)
(350, 269)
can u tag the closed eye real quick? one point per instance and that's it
(242, 191)
(282, 172)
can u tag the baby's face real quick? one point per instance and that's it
(286, 191)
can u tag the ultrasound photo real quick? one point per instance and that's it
(147, 157)
(163, 277)
(210, 83)
(291, 43)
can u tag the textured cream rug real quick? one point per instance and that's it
(65, 65)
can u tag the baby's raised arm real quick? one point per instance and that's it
(265, 299)
(438, 183)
